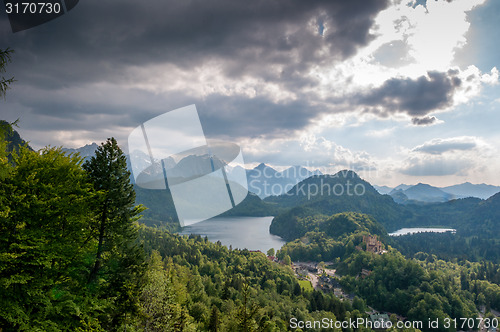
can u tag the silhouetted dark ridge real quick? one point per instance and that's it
(14, 139)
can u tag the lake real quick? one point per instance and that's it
(251, 233)
(405, 231)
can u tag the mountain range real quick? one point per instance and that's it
(305, 193)
(86, 151)
(420, 193)
(424, 193)
(468, 189)
(469, 216)
(265, 181)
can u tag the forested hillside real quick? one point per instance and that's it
(419, 288)
(329, 194)
(12, 137)
(74, 258)
(342, 192)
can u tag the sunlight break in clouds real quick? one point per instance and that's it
(431, 33)
(334, 82)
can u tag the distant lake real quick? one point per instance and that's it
(414, 230)
(251, 233)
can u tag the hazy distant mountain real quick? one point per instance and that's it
(467, 189)
(193, 166)
(86, 151)
(426, 193)
(265, 181)
(399, 196)
(262, 181)
(402, 187)
(236, 169)
(298, 173)
(262, 170)
(298, 187)
(384, 190)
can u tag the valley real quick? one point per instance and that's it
(329, 254)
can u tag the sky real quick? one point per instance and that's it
(399, 91)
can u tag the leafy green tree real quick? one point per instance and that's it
(5, 57)
(287, 260)
(270, 252)
(156, 298)
(321, 267)
(44, 239)
(359, 304)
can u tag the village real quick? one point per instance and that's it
(322, 276)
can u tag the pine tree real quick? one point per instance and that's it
(115, 209)
(5, 82)
(5, 128)
(214, 321)
(247, 312)
(118, 262)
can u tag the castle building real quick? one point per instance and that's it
(372, 244)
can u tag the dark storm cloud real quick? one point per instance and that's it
(98, 39)
(415, 97)
(221, 116)
(243, 117)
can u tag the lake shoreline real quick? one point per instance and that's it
(250, 233)
(425, 229)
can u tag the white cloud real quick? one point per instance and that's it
(461, 157)
(426, 39)
(306, 150)
(440, 146)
